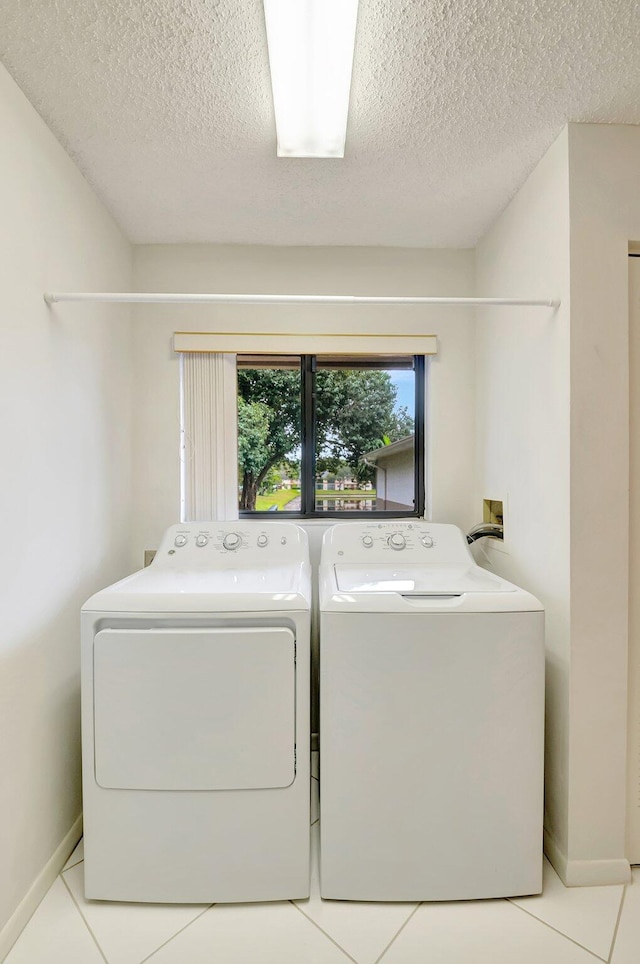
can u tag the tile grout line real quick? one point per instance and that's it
(397, 934)
(328, 936)
(173, 936)
(83, 918)
(615, 929)
(555, 929)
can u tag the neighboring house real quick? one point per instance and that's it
(341, 485)
(395, 473)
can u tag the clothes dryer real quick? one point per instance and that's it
(195, 720)
(431, 719)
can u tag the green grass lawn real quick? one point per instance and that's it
(284, 496)
(281, 498)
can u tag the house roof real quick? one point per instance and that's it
(389, 451)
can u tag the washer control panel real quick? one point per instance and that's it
(395, 536)
(376, 542)
(214, 543)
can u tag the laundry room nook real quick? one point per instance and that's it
(321, 638)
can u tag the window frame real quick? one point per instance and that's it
(308, 511)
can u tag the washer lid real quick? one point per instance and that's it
(421, 580)
(416, 590)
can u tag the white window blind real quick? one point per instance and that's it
(208, 436)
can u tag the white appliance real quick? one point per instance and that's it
(195, 720)
(431, 719)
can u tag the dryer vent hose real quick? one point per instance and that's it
(493, 529)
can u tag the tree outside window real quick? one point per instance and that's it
(319, 420)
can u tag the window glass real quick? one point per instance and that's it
(365, 443)
(269, 434)
(330, 434)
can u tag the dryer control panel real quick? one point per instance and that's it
(414, 542)
(220, 544)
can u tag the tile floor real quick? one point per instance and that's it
(562, 926)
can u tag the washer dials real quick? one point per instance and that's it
(367, 541)
(232, 540)
(262, 540)
(427, 542)
(202, 540)
(397, 540)
(180, 541)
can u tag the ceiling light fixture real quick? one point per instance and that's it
(311, 55)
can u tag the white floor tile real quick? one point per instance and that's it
(56, 933)
(127, 933)
(480, 932)
(76, 856)
(586, 914)
(245, 933)
(315, 764)
(362, 929)
(627, 946)
(315, 801)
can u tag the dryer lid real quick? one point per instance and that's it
(157, 589)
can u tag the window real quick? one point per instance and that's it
(322, 434)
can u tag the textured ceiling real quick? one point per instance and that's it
(165, 105)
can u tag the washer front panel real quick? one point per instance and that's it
(432, 732)
(194, 709)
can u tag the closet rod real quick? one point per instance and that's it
(137, 298)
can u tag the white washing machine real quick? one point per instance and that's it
(195, 720)
(431, 719)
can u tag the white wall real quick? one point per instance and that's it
(553, 431)
(605, 215)
(523, 426)
(311, 270)
(65, 480)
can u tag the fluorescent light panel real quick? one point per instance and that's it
(311, 55)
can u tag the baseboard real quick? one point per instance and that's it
(29, 903)
(585, 873)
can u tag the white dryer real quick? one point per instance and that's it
(195, 720)
(431, 719)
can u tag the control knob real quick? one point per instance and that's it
(180, 541)
(367, 541)
(262, 540)
(427, 542)
(231, 541)
(397, 541)
(202, 541)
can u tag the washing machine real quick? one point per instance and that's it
(431, 719)
(195, 720)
